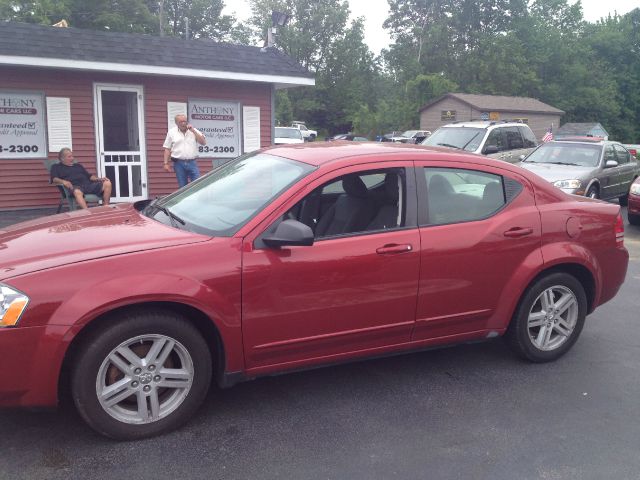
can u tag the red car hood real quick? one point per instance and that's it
(83, 235)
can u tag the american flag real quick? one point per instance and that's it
(548, 136)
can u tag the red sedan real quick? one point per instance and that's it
(633, 211)
(290, 258)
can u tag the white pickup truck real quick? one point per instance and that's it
(309, 135)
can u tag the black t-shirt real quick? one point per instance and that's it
(75, 173)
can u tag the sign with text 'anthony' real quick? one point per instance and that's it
(220, 123)
(22, 127)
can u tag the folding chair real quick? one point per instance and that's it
(66, 197)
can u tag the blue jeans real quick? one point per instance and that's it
(186, 171)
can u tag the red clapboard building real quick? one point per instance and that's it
(111, 98)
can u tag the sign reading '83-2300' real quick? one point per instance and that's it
(22, 127)
(220, 123)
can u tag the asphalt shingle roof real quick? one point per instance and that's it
(41, 41)
(499, 103)
(578, 128)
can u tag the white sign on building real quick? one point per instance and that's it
(219, 121)
(22, 125)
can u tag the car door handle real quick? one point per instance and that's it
(518, 232)
(394, 248)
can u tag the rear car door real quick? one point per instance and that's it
(479, 228)
(627, 168)
(353, 290)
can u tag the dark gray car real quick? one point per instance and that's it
(591, 167)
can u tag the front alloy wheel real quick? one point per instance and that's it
(140, 374)
(549, 318)
(144, 379)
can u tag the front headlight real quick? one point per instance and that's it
(572, 184)
(635, 189)
(12, 304)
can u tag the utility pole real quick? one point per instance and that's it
(161, 15)
(186, 28)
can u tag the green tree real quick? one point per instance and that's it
(319, 37)
(45, 12)
(204, 16)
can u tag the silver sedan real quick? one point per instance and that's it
(588, 166)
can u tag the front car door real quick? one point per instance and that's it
(353, 290)
(479, 226)
(610, 177)
(496, 138)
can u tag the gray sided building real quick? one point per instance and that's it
(463, 107)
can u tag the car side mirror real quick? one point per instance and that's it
(521, 157)
(610, 164)
(490, 149)
(290, 233)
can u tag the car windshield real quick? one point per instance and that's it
(221, 202)
(409, 133)
(282, 132)
(582, 155)
(463, 138)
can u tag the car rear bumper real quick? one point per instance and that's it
(614, 271)
(30, 360)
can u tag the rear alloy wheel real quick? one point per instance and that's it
(141, 375)
(549, 318)
(593, 192)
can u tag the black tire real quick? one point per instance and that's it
(520, 334)
(624, 200)
(593, 192)
(95, 368)
(633, 219)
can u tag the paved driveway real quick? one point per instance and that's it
(472, 411)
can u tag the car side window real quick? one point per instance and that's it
(360, 202)
(495, 138)
(528, 138)
(622, 154)
(514, 138)
(609, 154)
(458, 195)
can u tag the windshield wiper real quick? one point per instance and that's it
(565, 163)
(172, 216)
(472, 139)
(449, 145)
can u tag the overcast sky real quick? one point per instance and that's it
(375, 12)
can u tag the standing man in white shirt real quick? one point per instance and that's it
(181, 149)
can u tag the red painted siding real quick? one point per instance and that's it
(24, 183)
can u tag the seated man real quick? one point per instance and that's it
(75, 178)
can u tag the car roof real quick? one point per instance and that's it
(579, 139)
(484, 124)
(322, 153)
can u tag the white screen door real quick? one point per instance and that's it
(120, 140)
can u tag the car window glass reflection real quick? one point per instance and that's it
(355, 203)
(457, 195)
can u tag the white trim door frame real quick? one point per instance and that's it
(123, 162)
